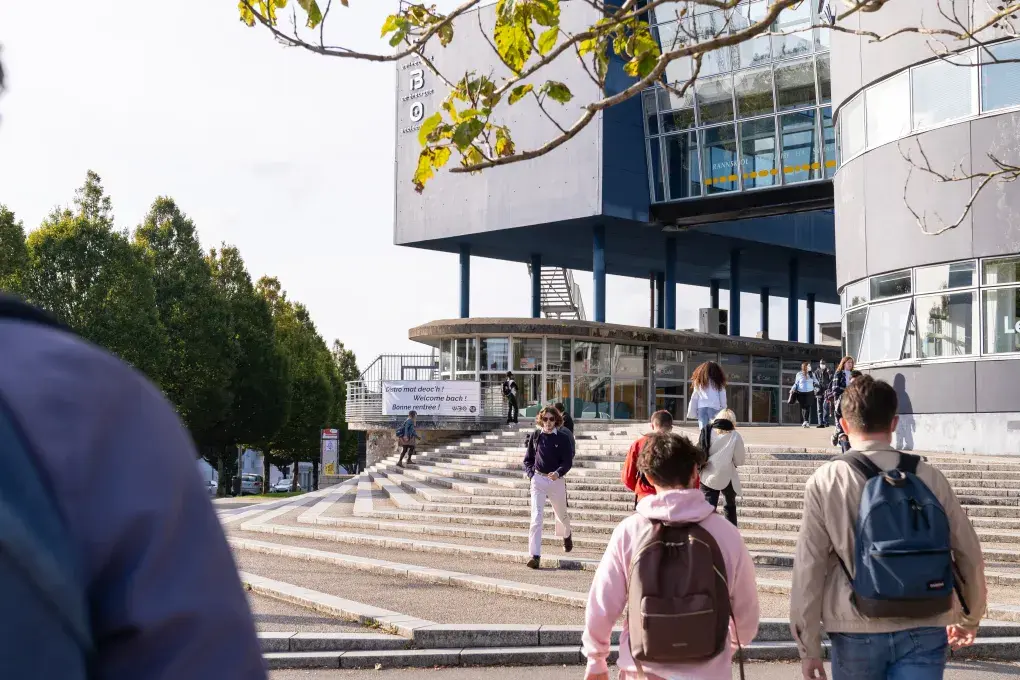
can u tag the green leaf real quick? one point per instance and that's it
(557, 91)
(427, 126)
(641, 66)
(513, 37)
(446, 34)
(423, 173)
(504, 145)
(546, 12)
(519, 92)
(466, 132)
(547, 40)
(391, 24)
(311, 7)
(441, 156)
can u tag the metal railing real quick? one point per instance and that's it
(365, 404)
(561, 296)
(402, 367)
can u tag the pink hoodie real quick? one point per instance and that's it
(607, 600)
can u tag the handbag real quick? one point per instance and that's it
(792, 399)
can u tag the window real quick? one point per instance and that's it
(711, 26)
(944, 276)
(680, 106)
(795, 84)
(801, 155)
(557, 389)
(789, 20)
(736, 366)
(999, 271)
(630, 399)
(853, 331)
(855, 294)
(695, 359)
(758, 153)
(466, 348)
(757, 50)
(931, 83)
(630, 361)
(669, 365)
(738, 400)
(681, 119)
(683, 176)
(671, 398)
(824, 79)
(557, 356)
(719, 159)
(887, 107)
(495, 354)
(765, 405)
(890, 285)
(884, 332)
(947, 324)
(715, 100)
(591, 397)
(754, 93)
(1002, 320)
(651, 117)
(852, 139)
(527, 354)
(764, 371)
(591, 358)
(828, 142)
(655, 162)
(1000, 83)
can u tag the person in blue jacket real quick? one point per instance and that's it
(549, 456)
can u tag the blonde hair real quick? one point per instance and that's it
(726, 414)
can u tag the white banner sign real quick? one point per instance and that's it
(432, 398)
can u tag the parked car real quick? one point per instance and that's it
(251, 484)
(283, 486)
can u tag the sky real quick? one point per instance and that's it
(286, 155)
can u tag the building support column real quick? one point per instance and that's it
(713, 293)
(735, 292)
(660, 300)
(599, 271)
(765, 312)
(811, 318)
(536, 286)
(669, 297)
(793, 313)
(465, 281)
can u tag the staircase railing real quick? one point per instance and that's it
(560, 295)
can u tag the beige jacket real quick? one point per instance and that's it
(821, 592)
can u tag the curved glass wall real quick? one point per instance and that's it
(979, 81)
(956, 310)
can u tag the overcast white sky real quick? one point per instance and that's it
(287, 155)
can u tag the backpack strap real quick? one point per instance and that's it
(864, 465)
(908, 463)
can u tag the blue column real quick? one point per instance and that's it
(465, 281)
(811, 318)
(660, 300)
(792, 315)
(765, 311)
(599, 270)
(734, 292)
(536, 286)
(669, 299)
(713, 293)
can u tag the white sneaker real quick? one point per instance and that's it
(804, 424)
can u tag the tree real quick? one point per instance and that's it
(202, 348)
(94, 280)
(13, 252)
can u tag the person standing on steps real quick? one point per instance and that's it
(662, 423)
(803, 391)
(407, 438)
(708, 393)
(726, 452)
(568, 422)
(549, 457)
(887, 560)
(510, 393)
(823, 381)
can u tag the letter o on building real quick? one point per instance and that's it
(417, 111)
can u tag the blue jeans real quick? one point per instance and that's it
(916, 654)
(705, 416)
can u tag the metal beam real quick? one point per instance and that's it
(735, 292)
(599, 271)
(465, 281)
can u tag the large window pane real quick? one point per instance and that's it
(736, 366)
(738, 400)
(630, 361)
(530, 394)
(890, 285)
(671, 398)
(630, 399)
(651, 114)
(719, 159)
(1002, 320)
(591, 397)
(495, 354)
(824, 79)
(1001, 270)
(695, 359)
(947, 324)
(527, 354)
(757, 50)
(655, 169)
(466, 348)
(829, 142)
(674, 121)
(765, 371)
(856, 294)
(754, 93)
(801, 154)
(669, 365)
(557, 390)
(944, 277)
(931, 83)
(1000, 83)
(765, 404)
(758, 152)
(795, 84)
(715, 100)
(683, 175)
(557, 356)
(711, 26)
(888, 110)
(853, 331)
(446, 356)
(852, 139)
(591, 358)
(790, 20)
(884, 332)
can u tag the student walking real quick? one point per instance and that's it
(662, 423)
(803, 391)
(568, 422)
(549, 457)
(726, 452)
(708, 393)
(823, 381)
(687, 610)
(887, 561)
(407, 438)
(510, 393)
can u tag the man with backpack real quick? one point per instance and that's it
(114, 564)
(887, 561)
(510, 393)
(682, 574)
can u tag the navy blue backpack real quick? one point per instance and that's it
(903, 559)
(45, 629)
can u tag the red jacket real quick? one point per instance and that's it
(635, 481)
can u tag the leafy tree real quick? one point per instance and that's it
(13, 252)
(98, 283)
(202, 348)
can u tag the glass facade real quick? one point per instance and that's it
(969, 308)
(759, 114)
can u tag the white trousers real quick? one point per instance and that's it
(556, 492)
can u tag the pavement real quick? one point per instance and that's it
(975, 670)
(273, 615)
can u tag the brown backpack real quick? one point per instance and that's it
(678, 608)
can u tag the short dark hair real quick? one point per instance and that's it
(412, 414)
(662, 419)
(855, 374)
(509, 374)
(869, 405)
(668, 460)
(560, 407)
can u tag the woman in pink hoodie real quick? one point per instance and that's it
(668, 461)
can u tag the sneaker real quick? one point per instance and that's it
(821, 426)
(400, 464)
(805, 424)
(568, 543)
(534, 562)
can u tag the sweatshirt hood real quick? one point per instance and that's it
(684, 505)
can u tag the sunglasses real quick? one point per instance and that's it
(549, 419)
